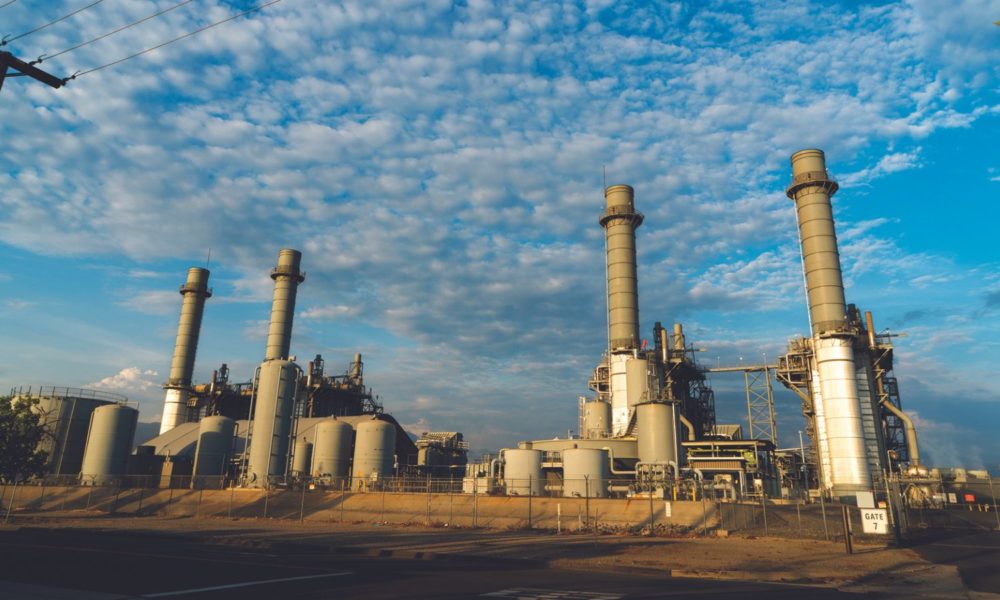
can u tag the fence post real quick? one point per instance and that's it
(822, 508)
(993, 497)
(586, 500)
(428, 499)
(90, 492)
(451, 503)
(232, 490)
(798, 516)
(530, 490)
(763, 507)
(382, 515)
(10, 505)
(652, 521)
(475, 504)
(267, 499)
(197, 509)
(343, 498)
(848, 543)
(704, 515)
(41, 498)
(302, 504)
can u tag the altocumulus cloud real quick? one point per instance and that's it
(440, 164)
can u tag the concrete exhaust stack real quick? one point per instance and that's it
(195, 291)
(835, 389)
(287, 278)
(620, 220)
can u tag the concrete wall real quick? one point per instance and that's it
(456, 510)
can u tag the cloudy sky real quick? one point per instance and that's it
(440, 165)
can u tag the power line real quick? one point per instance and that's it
(111, 33)
(6, 4)
(7, 40)
(168, 42)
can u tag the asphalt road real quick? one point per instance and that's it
(977, 556)
(137, 564)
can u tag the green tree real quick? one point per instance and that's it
(20, 432)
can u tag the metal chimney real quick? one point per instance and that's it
(287, 278)
(195, 291)
(835, 388)
(619, 221)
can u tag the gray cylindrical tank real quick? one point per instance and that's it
(656, 432)
(302, 457)
(637, 381)
(109, 441)
(522, 472)
(215, 442)
(274, 404)
(66, 419)
(374, 449)
(332, 449)
(596, 419)
(585, 472)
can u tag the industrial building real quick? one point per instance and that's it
(648, 430)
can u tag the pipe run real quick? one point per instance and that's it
(688, 425)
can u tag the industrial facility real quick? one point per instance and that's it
(648, 429)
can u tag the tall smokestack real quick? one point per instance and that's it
(195, 291)
(835, 386)
(287, 278)
(619, 221)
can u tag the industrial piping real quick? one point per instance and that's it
(178, 387)
(908, 428)
(287, 278)
(811, 190)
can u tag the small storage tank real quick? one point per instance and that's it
(656, 432)
(596, 419)
(274, 403)
(211, 455)
(522, 472)
(585, 472)
(637, 381)
(332, 449)
(374, 449)
(109, 442)
(302, 457)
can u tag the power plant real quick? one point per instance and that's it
(648, 429)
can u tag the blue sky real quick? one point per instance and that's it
(440, 166)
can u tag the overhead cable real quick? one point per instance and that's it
(8, 3)
(168, 42)
(7, 40)
(111, 33)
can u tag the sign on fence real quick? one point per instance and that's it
(875, 520)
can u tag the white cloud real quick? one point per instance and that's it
(130, 380)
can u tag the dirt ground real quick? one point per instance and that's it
(745, 558)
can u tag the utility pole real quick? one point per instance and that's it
(9, 62)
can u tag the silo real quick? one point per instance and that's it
(596, 419)
(332, 449)
(215, 442)
(656, 432)
(274, 403)
(66, 420)
(109, 441)
(637, 381)
(522, 472)
(302, 457)
(374, 449)
(585, 472)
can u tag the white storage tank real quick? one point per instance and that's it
(109, 441)
(332, 449)
(637, 380)
(215, 443)
(302, 457)
(274, 403)
(522, 472)
(585, 472)
(656, 432)
(374, 450)
(596, 419)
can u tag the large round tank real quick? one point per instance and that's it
(374, 449)
(274, 403)
(596, 419)
(66, 420)
(302, 457)
(656, 432)
(332, 449)
(585, 472)
(215, 442)
(109, 441)
(522, 472)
